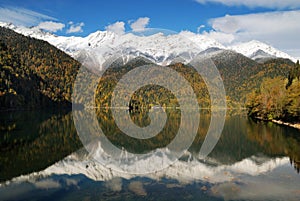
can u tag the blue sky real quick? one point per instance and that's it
(228, 21)
(176, 15)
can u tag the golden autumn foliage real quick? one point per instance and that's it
(277, 98)
(33, 73)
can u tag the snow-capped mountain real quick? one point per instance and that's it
(159, 48)
(256, 49)
(32, 31)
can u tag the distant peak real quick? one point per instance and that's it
(255, 48)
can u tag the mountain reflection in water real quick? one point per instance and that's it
(41, 153)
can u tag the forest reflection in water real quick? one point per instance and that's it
(32, 141)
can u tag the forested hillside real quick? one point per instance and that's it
(277, 98)
(33, 73)
(240, 75)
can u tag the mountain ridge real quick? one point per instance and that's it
(250, 48)
(160, 48)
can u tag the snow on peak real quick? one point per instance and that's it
(159, 48)
(34, 32)
(251, 48)
(100, 37)
(203, 41)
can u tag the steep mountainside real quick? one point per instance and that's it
(242, 75)
(33, 73)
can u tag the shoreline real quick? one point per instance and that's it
(279, 122)
(296, 125)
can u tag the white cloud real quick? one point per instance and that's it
(279, 4)
(21, 16)
(281, 29)
(51, 26)
(140, 24)
(117, 27)
(75, 28)
(200, 27)
(221, 37)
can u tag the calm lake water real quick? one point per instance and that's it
(42, 158)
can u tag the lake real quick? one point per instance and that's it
(42, 158)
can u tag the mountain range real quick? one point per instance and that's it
(37, 67)
(161, 48)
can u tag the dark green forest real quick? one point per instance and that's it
(33, 73)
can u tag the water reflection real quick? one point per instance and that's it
(252, 161)
(192, 180)
(32, 141)
(276, 139)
